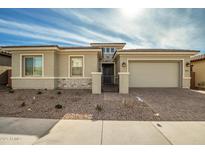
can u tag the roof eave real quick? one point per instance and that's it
(162, 52)
(122, 52)
(29, 48)
(47, 48)
(100, 45)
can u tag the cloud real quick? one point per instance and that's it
(146, 28)
(40, 32)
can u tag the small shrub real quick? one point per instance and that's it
(59, 92)
(23, 104)
(58, 106)
(39, 93)
(11, 91)
(45, 89)
(98, 107)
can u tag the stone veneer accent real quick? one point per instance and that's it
(74, 83)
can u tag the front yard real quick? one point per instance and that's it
(148, 104)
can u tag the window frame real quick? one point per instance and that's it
(113, 50)
(107, 50)
(70, 66)
(22, 65)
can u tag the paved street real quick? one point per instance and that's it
(49, 131)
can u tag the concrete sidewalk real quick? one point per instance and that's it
(49, 131)
(23, 130)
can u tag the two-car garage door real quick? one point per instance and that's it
(154, 74)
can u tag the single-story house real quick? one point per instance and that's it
(198, 68)
(91, 67)
(5, 65)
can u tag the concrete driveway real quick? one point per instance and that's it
(173, 104)
(49, 131)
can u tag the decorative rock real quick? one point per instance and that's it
(29, 109)
(75, 83)
(139, 99)
(156, 114)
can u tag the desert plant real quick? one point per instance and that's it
(23, 104)
(98, 107)
(39, 92)
(59, 92)
(45, 89)
(11, 91)
(58, 106)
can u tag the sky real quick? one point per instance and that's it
(138, 28)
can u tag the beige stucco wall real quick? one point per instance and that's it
(33, 83)
(123, 82)
(185, 78)
(90, 63)
(19, 82)
(96, 82)
(199, 69)
(48, 62)
(15, 65)
(117, 69)
(56, 66)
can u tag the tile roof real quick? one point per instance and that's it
(198, 58)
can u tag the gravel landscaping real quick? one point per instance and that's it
(148, 104)
(174, 104)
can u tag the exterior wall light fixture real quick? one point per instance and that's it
(124, 64)
(187, 64)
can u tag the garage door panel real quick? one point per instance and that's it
(154, 74)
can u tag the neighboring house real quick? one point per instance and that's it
(198, 68)
(37, 67)
(5, 65)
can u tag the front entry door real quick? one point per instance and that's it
(108, 74)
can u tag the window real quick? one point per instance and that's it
(32, 65)
(76, 66)
(112, 50)
(107, 50)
